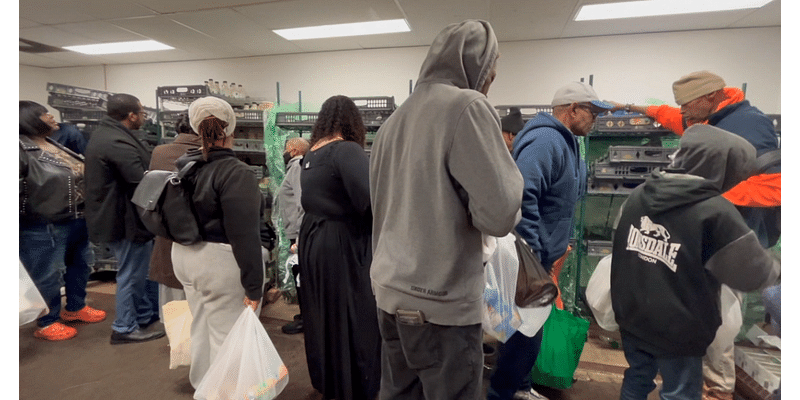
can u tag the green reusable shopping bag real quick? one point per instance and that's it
(563, 337)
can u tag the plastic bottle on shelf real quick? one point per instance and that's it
(213, 87)
(224, 90)
(242, 94)
(234, 91)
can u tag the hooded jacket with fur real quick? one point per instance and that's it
(677, 239)
(440, 175)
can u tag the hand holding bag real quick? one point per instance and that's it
(247, 365)
(535, 287)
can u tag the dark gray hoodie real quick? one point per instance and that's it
(677, 239)
(440, 175)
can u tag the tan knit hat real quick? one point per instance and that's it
(696, 84)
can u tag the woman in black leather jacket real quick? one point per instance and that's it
(52, 230)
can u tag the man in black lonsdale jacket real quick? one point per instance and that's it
(676, 241)
(115, 164)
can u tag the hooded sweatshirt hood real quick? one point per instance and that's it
(462, 54)
(711, 161)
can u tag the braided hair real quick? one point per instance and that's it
(212, 129)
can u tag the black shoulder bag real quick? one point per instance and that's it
(164, 202)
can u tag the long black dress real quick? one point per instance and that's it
(335, 251)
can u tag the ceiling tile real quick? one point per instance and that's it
(181, 37)
(100, 32)
(173, 6)
(227, 25)
(26, 23)
(48, 12)
(302, 13)
(52, 36)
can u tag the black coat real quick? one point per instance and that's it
(115, 164)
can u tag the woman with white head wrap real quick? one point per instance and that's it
(227, 266)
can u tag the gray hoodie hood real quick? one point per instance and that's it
(715, 154)
(713, 161)
(462, 54)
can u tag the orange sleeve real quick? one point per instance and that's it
(758, 191)
(668, 116)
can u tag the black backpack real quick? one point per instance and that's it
(164, 202)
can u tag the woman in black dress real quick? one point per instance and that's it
(335, 251)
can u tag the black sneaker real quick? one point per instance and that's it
(293, 327)
(136, 336)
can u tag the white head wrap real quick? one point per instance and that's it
(205, 107)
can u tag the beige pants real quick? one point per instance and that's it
(719, 369)
(211, 280)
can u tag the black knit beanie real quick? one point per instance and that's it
(512, 122)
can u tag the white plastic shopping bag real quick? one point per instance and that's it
(598, 295)
(247, 365)
(31, 302)
(500, 316)
(178, 324)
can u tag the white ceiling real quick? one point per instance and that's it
(215, 29)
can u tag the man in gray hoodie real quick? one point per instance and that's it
(440, 177)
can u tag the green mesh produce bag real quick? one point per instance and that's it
(563, 337)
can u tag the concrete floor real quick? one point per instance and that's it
(88, 367)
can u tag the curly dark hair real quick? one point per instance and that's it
(339, 114)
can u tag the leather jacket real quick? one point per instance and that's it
(47, 186)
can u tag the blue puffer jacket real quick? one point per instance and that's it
(548, 157)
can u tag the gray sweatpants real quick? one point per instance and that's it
(211, 279)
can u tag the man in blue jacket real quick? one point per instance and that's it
(548, 156)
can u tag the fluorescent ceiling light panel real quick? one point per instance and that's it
(120, 47)
(340, 30)
(652, 8)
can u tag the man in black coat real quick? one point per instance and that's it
(115, 163)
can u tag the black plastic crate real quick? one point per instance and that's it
(188, 91)
(295, 120)
(622, 172)
(634, 123)
(375, 103)
(171, 116)
(62, 100)
(527, 111)
(639, 154)
(249, 116)
(76, 115)
(248, 145)
(57, 88)
(598, 248)
(612, 187)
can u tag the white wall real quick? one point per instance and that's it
(625, 68)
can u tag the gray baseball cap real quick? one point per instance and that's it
(579, 92)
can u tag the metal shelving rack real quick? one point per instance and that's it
(173, 101)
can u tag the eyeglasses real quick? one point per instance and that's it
(590, 109)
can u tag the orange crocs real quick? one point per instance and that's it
(56, 331)
(86, 314)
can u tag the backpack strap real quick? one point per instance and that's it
(768, 160)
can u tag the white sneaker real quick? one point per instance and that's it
(529, 394)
